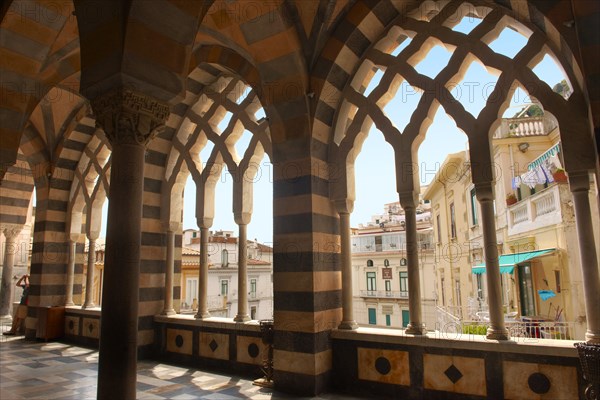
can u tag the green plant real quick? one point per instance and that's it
(475, 329)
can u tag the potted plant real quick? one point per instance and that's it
(559, 175)
(511, 199)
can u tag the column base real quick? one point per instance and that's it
(86, 306)
(242, 318)
(348, 325)
(592, 338)
(70, 304)
(169, 312)
(412, 329)
(497, 334)
(202, 315)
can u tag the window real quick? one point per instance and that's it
(224, 287)
(452, 221)
(386, 263)
(403, 282)
(479, 278)
(388, 320)
(252, 288)
(371, 286)
(388, 287)
(372, 316)
(443, 284)
(473, 207)
(224, 258)
(557, 279)
(193, 234)
(405, 318)
(369, 263)
(439, 228)
(253, 312)
(191, 291)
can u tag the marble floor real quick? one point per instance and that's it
(54, 370)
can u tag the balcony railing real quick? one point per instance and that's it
(384, 294)
(519, 127)
(539, 210)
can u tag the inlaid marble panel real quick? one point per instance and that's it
(250, 350)
(214, 345)
(386, 366)
(454, 374)
(179, 341)
(91, 328)
(72, 326)
(539, 381)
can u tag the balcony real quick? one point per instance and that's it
(383, 294)
(523, 127)
(542, 209)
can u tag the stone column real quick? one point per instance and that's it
(71, 271)
(344, 209)
(409, 203)
(203, 275)
(129, 120)
(485, 196)
(242, 314)
(579, 184)
(170, 271)
(7, 288)
(89, 278)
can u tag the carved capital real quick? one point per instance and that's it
(128, 117)
(11, 231)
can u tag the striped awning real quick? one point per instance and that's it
(508, 261)
(549, 153)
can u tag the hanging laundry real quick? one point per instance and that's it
(544, 167)
(516, 182)
(540, 176)
(529, 178)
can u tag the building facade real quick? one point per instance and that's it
(535, 231)
(222, 296)
(380, 273)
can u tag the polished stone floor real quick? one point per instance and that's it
(37, 370)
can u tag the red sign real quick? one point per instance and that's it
(387, 273)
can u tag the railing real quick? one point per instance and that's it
(536, 211)
(384, 294)
(530, 126)
(544, 204)
(519, 214)
(557, 330)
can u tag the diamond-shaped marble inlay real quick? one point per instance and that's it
(453, 374)
(213, 345)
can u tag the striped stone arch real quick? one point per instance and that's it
(426, 26)
(198, 129)
(36, 37)
(16, 193)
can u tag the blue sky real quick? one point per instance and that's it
(375, 164)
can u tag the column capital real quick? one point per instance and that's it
(409, 199)
(579, 181)
(204, 222)
(344, 206)
(172, 226)
(11, 231)
(242, 218)
(129, 117)
(484, 191)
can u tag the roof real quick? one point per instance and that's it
(186, 251)
(442, 173)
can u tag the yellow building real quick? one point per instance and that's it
(535, 231)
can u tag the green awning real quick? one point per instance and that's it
(508, 261)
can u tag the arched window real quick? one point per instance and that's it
(224, 258)
(386, 263)
(369, 263)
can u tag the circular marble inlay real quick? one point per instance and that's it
(383, 366)
(179, 341)
(253, 350)
(538, 383)
(71, 325)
